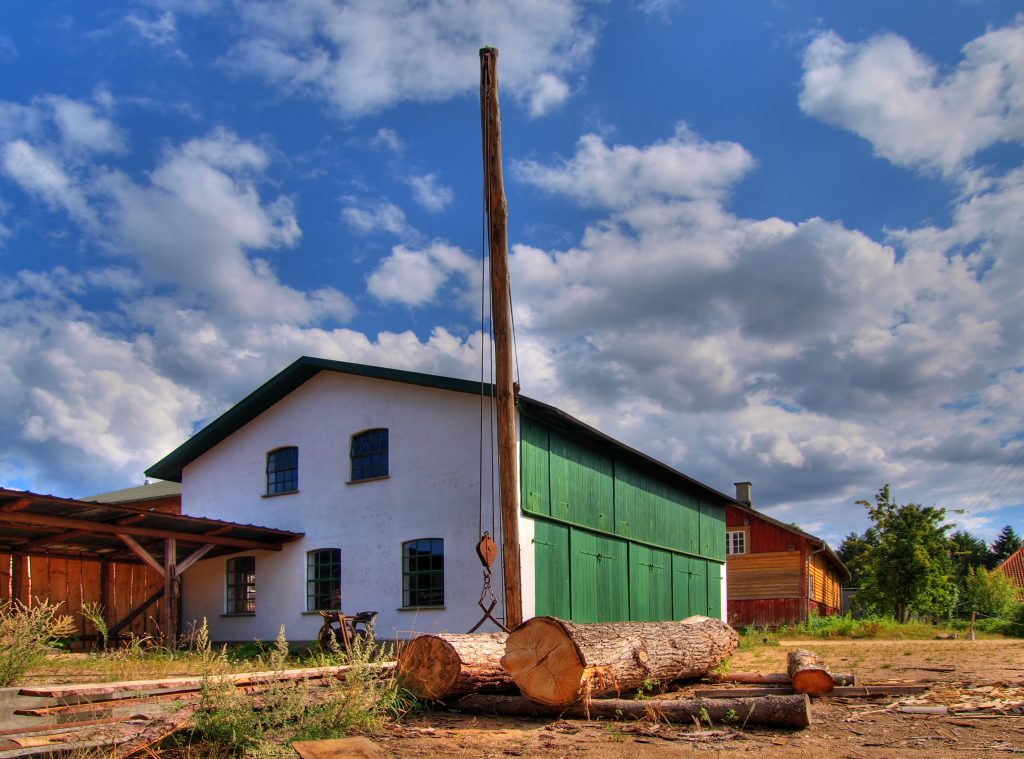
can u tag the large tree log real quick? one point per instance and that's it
(557, 662)
(775, 678)
(808, 673)
(445, 666)
(784, 711)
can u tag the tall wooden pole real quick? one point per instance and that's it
(501, 320)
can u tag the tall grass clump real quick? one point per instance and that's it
(27, 634)
(846, 626)
(262, 723)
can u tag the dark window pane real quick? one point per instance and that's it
(423, 572)
(241, 585)
(323, 579)
(283, 471)
(369, 454)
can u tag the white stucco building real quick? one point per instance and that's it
(381, 471)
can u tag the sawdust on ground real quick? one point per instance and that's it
(981, 681)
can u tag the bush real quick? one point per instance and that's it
(26, 635)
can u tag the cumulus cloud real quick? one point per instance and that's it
(367, 218)
(913, 113)
(683, 166)
(161, 29)
(362, 56)
(414, 277)
(430, 194)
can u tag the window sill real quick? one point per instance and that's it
(316, 612)
(239, 614)
(369, 479)
(275, 495)
(421, 608)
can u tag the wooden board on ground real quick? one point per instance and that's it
(340, 748)
(843, 691)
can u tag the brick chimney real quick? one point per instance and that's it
(743, 493)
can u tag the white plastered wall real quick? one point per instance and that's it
(432, 491)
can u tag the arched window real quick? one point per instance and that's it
(323, 579)
(369, 455)
(241, 585)
(283, 471)
(423, 572)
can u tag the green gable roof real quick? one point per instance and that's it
(306, 367)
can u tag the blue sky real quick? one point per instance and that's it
(770, 241)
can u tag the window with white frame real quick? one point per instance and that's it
(735, 542)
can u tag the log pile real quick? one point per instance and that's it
(556, 662)
(439, 667)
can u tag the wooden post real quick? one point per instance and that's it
(970, 633)
(501, 320)
(169, 606)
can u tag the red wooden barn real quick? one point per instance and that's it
(1013, 568)
(777, 574)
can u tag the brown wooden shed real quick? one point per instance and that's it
(127, 559)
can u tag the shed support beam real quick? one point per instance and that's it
(141, 552)
(196, 556)
(169, 606)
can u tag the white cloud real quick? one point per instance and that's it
(388, 139)
(82, 128)
(371, 218)
(414, 277)
(42, 175)
(683, 166)
(549, 92)
(161, 29)
(912, 113)
(428, 193)
(362, 56)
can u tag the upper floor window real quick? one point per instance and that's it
(370, 454)
(735, 541)
(241, 585)
(423, 572)
(323, 579)
(283, 471)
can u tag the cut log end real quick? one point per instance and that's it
(544, 662)
(808, 673)
(428, 667)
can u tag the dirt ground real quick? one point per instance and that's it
(981, 681)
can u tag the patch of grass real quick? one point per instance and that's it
(232, 723)
(756, 637)
(845, 626)
(27, 635)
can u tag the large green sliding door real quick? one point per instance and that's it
(613, 542)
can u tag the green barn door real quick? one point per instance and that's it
(680, 587)
(650, 584)
(698, 586)
(551, 553)
(600, 578)
(714, 590)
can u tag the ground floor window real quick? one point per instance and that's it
(241, 585)
(323, 579)
(423, 572)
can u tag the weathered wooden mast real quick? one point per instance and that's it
(501, 320)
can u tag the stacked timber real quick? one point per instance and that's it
(557, 662)
(434, 667)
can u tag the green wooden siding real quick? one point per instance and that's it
(650, 584)
(612, 542)
(580, 484)
(551, 553)
(536, 495)
(600, 577)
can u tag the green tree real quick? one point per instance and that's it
(909, 570)
(1006, 544)
(967, 552)
(854, 552)
(988, 592)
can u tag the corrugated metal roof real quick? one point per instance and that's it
(47, 525)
